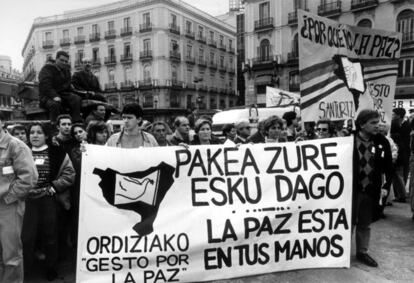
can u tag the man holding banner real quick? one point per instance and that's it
(372, 158)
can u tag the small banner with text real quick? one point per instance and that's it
(171, 214)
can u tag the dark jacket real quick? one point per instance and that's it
(83, 80)
(383, 165)
(256, 138)
(196, 141)
(53, 81)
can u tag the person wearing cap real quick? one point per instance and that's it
(372, 159)
(291, 124)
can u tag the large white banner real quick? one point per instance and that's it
(278, 97)
(170, 214)
(345, 69)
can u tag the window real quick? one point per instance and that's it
(65, 33)
(174, 74)
(211, 36)
(264, 50)
(80, 31)
(148, 101)
(188, 25)
(111, 51)
(127, 23)
(200, 31)
(295, 45)
(264, 10)
(301, 4)
(212, 59)
(147, 73)
(48, 36)
(365, 23)
(147, 45)
(231, 63)
(189, 51)
(111, 76)
(95, 54)
(174, 46)
(201, 54)
(230, 44)
(146, 19)
(221, 61)
(128, 74)
(111, 25)
(173, 20)
(221, 40)
(127, 49)
(294, 81)
(79, 55)
(95, 29)
(405, 25)
(189, 75)
(231, 83)
(407, 72)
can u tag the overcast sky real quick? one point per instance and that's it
(16, 18)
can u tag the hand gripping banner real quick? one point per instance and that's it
(170, 214)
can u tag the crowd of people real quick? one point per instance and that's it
(40, 170)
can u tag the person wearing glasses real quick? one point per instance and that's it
(243, 132)
(324, 129)
(55, 91)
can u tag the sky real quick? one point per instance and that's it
(16, 19)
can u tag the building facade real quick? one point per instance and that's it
(271, 39)
(165, 54)
(9, 78)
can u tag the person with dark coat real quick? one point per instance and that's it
(55, 89)
(203, 135)
(372, 159)
(259, 135)
(85, 80)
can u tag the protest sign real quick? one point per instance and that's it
(345, 69)
(170, 214)
(279, 97)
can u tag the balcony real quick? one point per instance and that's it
(145, 84)
(202, 88)
(126, 59)
(96, 63)
(65, 42)
(201, 38)
(293, 58)
(174, 29)
(111, 86)
(231, 70)
(222, 47)
(175, 56)
(263, 63)
(176, 84)
(222, 69)
(405, 80)
(331, 9)
(190, 60)
(358, 5)
(110, 61)
(145, 55)
(47, 44)
(190, 86)
(94, 37)
(175, 104)
(128, 85)
(127, 31)
(110, 34)
(202, 62)
(264, 24)
(147, 27)
(212, 43)
(80, 39)
(232, 50)
(212, 89)
(212, 65)
(293, 18)
(189, 34)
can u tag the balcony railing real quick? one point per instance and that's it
(145, 84)
(111, 86)
(80, 39)
(176, 84)
(212, 42)
(110, 61)
(212, 65)
(96, 63)
(202, 62)
(145, 27)
(126, 58)
(94, 37)
(293, 18)
(222, 68)
(201, 38)
(202, 88)
(190, 60)
(110, 34)
(357, 5)
(48, 44)
(145, 55)
(126, 31)
(174, 104)
(263, 60)
(222, 47)
(65, 42)
(174, 55)
(127, 85)
(232, 50)
(293, 57)
(212, 89)
(174, 29)
(265, 23)
(331, 9)
(189, 34)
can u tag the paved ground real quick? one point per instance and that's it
(392, 243)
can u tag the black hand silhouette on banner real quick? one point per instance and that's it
(141, 192)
